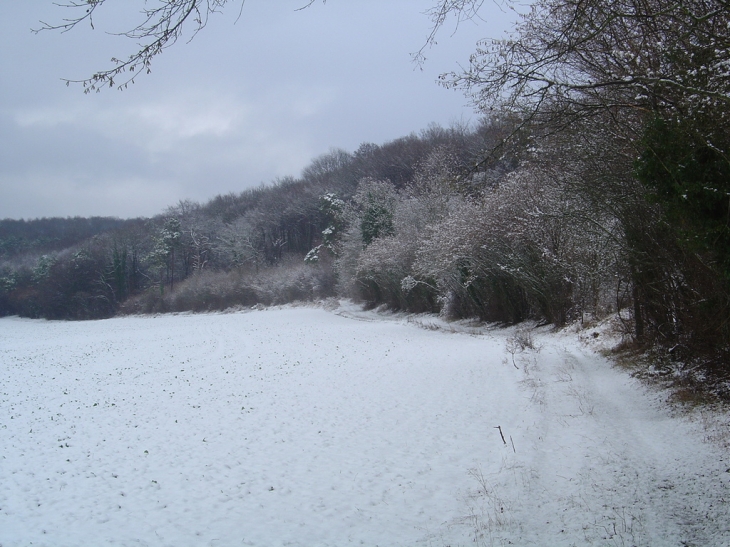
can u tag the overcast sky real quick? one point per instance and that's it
(243, 103)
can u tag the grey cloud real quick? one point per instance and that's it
(241, 104)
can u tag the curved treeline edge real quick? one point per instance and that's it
(567, 230)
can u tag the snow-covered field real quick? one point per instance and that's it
(307, 427)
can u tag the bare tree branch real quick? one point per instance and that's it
(462, 10)
(163, 23)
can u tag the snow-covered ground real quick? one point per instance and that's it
(307, 427)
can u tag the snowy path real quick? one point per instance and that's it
(305, 427)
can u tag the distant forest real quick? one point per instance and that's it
(419, 224)
(295, 239)
(598, 182)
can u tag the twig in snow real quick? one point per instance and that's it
(500, 433)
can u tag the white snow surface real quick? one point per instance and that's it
(306, 427)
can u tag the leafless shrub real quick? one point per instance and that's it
(213, 291)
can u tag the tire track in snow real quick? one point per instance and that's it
(598, 463)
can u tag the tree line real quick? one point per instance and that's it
(228, 249)
(598, 182)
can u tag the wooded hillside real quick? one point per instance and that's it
(599, 182)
